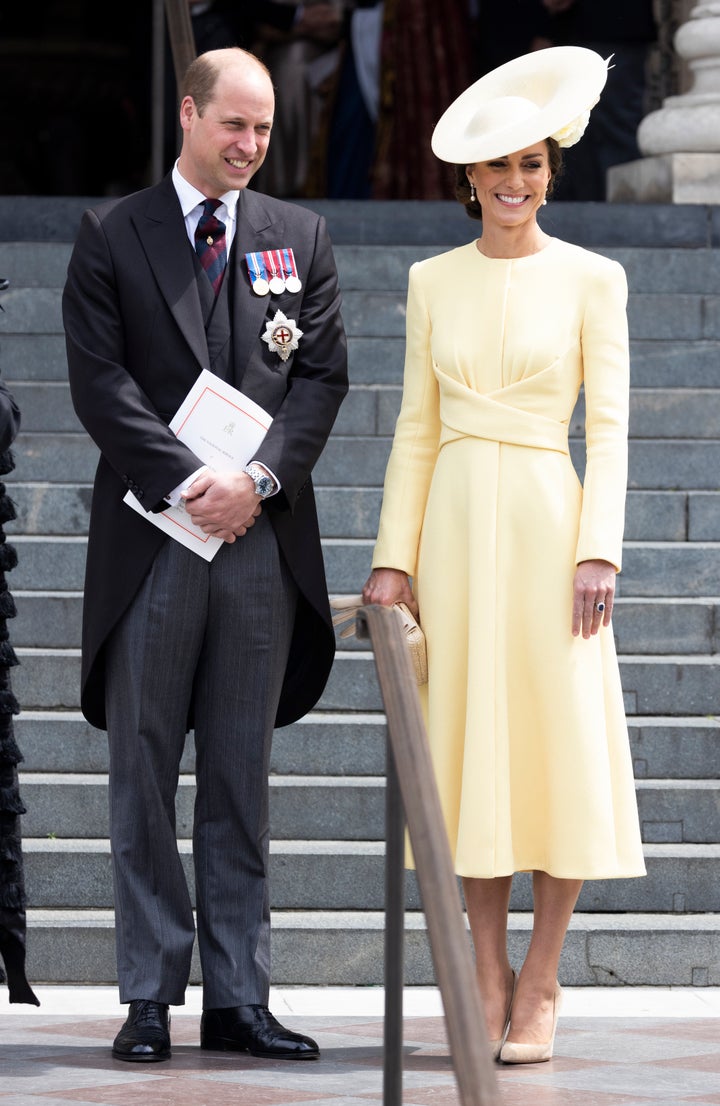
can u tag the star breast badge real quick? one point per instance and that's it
(282, 335)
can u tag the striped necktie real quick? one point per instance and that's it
(210, 244)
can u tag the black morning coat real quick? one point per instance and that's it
(136, 343)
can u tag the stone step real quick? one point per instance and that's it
(369, 267)
(353, 512)
(31, 310)
(35, 264)
(361, 460)
(339, 875)
(342, 808)
(654, 412)
(681, 316)
(393, 222)
(44, 509)
(47, 678)
(345, 948)
(48, 562)
(690, 413)
(45, 405)
(37, 357)
(655, 627)
(47, 619)
(599, 224)
(673, 413)
(658, 626)
(353, 744)
(301, 807)
(673, 685)
(677, 316)
(72, 458)
(666, 626)
(653, 465)
(320, 744)
(655, 363)
(674, 747)
(653, 569)
(670, 685)
(650, 569)
(62, 741)
(658, 685)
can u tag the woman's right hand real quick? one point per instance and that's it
(386, 586)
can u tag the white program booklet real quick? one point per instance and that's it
(223, 428)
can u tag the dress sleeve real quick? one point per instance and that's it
(415, 445)
(607, 381)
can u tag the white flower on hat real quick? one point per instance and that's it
(572, 132)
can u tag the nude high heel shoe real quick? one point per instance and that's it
(495, 1046)
(513, 1053)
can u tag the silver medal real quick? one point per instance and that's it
(293, 284)
(260, 287)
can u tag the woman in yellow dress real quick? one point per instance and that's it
(512, 561)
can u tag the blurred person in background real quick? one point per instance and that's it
(623, 30)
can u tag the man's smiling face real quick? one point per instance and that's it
(225, 146)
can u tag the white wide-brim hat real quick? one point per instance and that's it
(546, 94)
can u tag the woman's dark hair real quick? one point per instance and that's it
(462, 184)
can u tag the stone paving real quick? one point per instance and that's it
(53, 1059)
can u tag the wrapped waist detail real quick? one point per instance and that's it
(465, 413)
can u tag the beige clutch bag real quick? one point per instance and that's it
(346, 608)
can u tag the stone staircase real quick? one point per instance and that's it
(327, 782)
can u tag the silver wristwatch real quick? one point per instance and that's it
(264, 484)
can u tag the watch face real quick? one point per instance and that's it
(264, 486)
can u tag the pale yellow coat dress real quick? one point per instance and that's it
(483, 508)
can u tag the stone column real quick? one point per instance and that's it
(681, 141)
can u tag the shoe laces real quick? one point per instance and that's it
(146, 1012)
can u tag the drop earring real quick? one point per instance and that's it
(473, 193)
(544, 201)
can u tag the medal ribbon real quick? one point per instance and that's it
(256, 266)
(272, 260)
(268, 264)
(289, 265)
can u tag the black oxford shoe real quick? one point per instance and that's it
(145, 1037)
(253, 1029)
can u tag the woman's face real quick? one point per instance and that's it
(510, 189)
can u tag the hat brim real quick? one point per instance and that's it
(522, 102)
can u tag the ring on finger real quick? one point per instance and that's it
(600, 607)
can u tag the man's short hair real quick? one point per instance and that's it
(202, 74)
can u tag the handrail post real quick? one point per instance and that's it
(454, 967)
(394, 933)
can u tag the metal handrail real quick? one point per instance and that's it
(412, 788)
